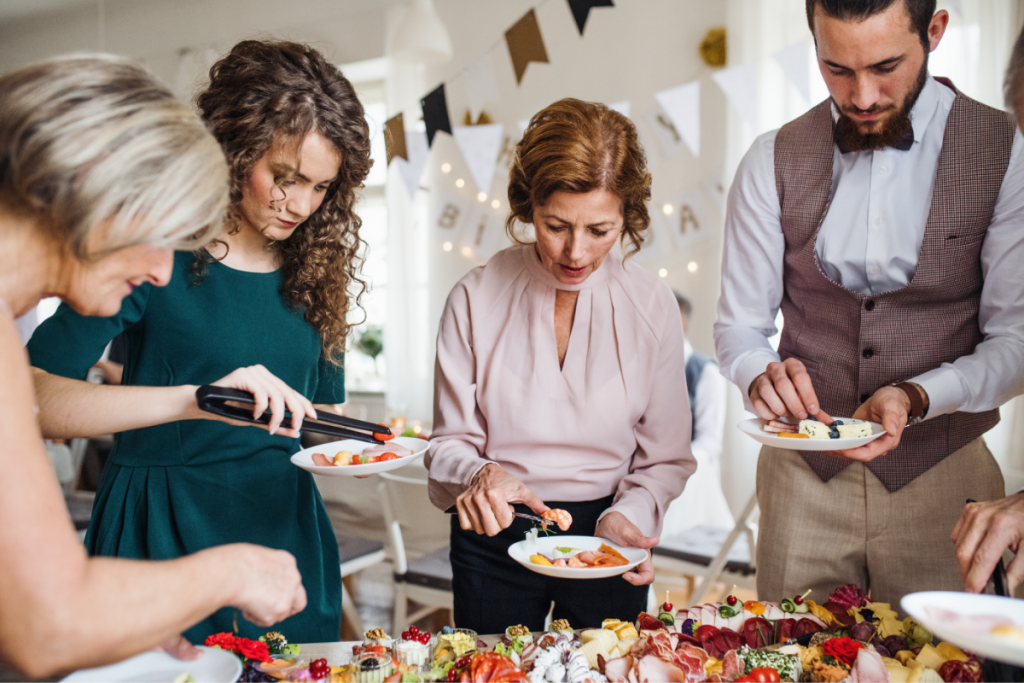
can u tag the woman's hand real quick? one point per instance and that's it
(179, 648)
(268, 390)
(269, 583)
(484, 506)
(616, 528)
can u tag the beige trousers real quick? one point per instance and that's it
(821, 535)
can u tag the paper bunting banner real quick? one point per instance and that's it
(482, 234)
(739, 83)
(481, 86)
(450, 213)
(795, 63)
(581, 10)
(621, 107)
(682, 105)
(411, 167)
(688, 220)
(394, 138)
(525, 44)
(435, 113)
(480, 146)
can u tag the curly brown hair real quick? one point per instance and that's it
(262, 93)
(576, 146)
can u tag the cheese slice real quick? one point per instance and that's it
(855, 430)
(815, 429)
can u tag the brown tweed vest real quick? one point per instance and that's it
(854, 344)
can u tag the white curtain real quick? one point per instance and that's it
(974, 54)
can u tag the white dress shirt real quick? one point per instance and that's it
(702, 502)
(869, 243)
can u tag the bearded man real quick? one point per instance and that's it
(886, 223)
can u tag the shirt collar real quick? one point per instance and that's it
(923, 111)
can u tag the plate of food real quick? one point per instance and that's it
(575, 557)
(989, 625)
(812, 435)
(351, 458)
(213, 664)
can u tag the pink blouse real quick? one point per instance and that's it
(614, 419)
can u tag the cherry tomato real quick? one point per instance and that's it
(383, 436)
(764, 674)
(731, 600)
(387, 456)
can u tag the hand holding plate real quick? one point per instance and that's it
(888, 407)
(616, 528)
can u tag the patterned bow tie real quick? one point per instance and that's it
(903, 144)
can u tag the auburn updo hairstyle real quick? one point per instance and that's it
(576, 146)
(262, 93)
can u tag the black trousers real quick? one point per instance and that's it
(493, 591)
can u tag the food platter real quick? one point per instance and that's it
(213, 664)
(755, 429)
(521, 552)
(933, 608)
(304, 458)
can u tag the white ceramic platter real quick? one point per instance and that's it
(754, 429)
(545, 545)
(304, 458)
(931, 610)
(213, 666)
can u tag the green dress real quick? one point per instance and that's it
(177, 488)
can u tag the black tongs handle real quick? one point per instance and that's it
(215, 400)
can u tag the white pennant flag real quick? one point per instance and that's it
(682, 104)
(480, 146)
(795, 63)
(739, 83)
(481, 86)
(417, 150)
(621, 107)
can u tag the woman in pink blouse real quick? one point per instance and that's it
(560, 380)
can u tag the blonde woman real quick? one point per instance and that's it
(102, 174)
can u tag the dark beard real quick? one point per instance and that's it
(895, 129)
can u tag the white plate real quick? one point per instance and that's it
(546, 545)
(304, 458)
(918, 606)
(213, 666)
(754, 429)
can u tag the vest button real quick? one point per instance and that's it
(869, 305)
(868, 353)
(864, 398)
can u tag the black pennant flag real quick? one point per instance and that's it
(581, 10)
(435, 113)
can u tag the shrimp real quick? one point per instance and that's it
(561, 563)
(562, 518)
(577, 563)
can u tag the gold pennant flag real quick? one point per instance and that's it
(394, 138)
(525, 44)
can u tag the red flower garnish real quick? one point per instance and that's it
(849, 596)
(224, 641)
(253, 649)
(843, 649)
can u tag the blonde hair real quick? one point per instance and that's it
(96, 140)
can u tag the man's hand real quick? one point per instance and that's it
(981, 535)
(179, 648)
(616, 528)
(784, 390)
(484, 507)
(888, 407)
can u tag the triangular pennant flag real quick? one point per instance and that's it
(435, 113)
(581, 10)
(795, 63)
(394, 138)
(682, 105)
(525, 44)
(621, 107)
(412, 166)
(480, 146)
(739, 83)
(481, 86)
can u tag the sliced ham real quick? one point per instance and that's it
(376, 451)
(868, 668)
(773, 612)
(736, 622)
(708, 613)
(617, 670)
(651, 669)
(732, 666)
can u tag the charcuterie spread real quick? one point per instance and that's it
(846, 637)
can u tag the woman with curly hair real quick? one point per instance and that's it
(560, 380)
(265, 306)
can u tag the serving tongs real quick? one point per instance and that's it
(215, 400)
